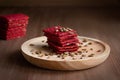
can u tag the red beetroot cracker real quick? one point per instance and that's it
(65, 47)
(12, 36)
(60, 38)
(65, 42)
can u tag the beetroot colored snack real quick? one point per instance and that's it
(13, 26)
(61, 39)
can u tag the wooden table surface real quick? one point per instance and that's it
(100, 23)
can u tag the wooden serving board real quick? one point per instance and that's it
(29, 47)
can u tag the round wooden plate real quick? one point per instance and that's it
(63, 64)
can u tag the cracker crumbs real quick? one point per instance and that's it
(81, 43)
(32, 50)
(86, 51)
(91, 49)
(46, 54)
(74, 58)
(81, 58)
(41, 55)
(71, 54)
(36, 52)
(91, 55)
(45, 46)
(43, 41)
(83, 55)
(79, 46)
(58, 56)
(84, 40)
(31, 44)
(90, 43)
(48, 57)
(98, 50)
(76, 53)
(80, 52)
(64, 55)
(85, 45)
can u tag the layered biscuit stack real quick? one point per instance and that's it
(61, 39)
(13, 26)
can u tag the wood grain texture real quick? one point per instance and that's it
(103, 24)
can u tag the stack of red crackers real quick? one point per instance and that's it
(13, 26)
(62, 39)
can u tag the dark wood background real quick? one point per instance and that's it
(100, 23)
(82, 3)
